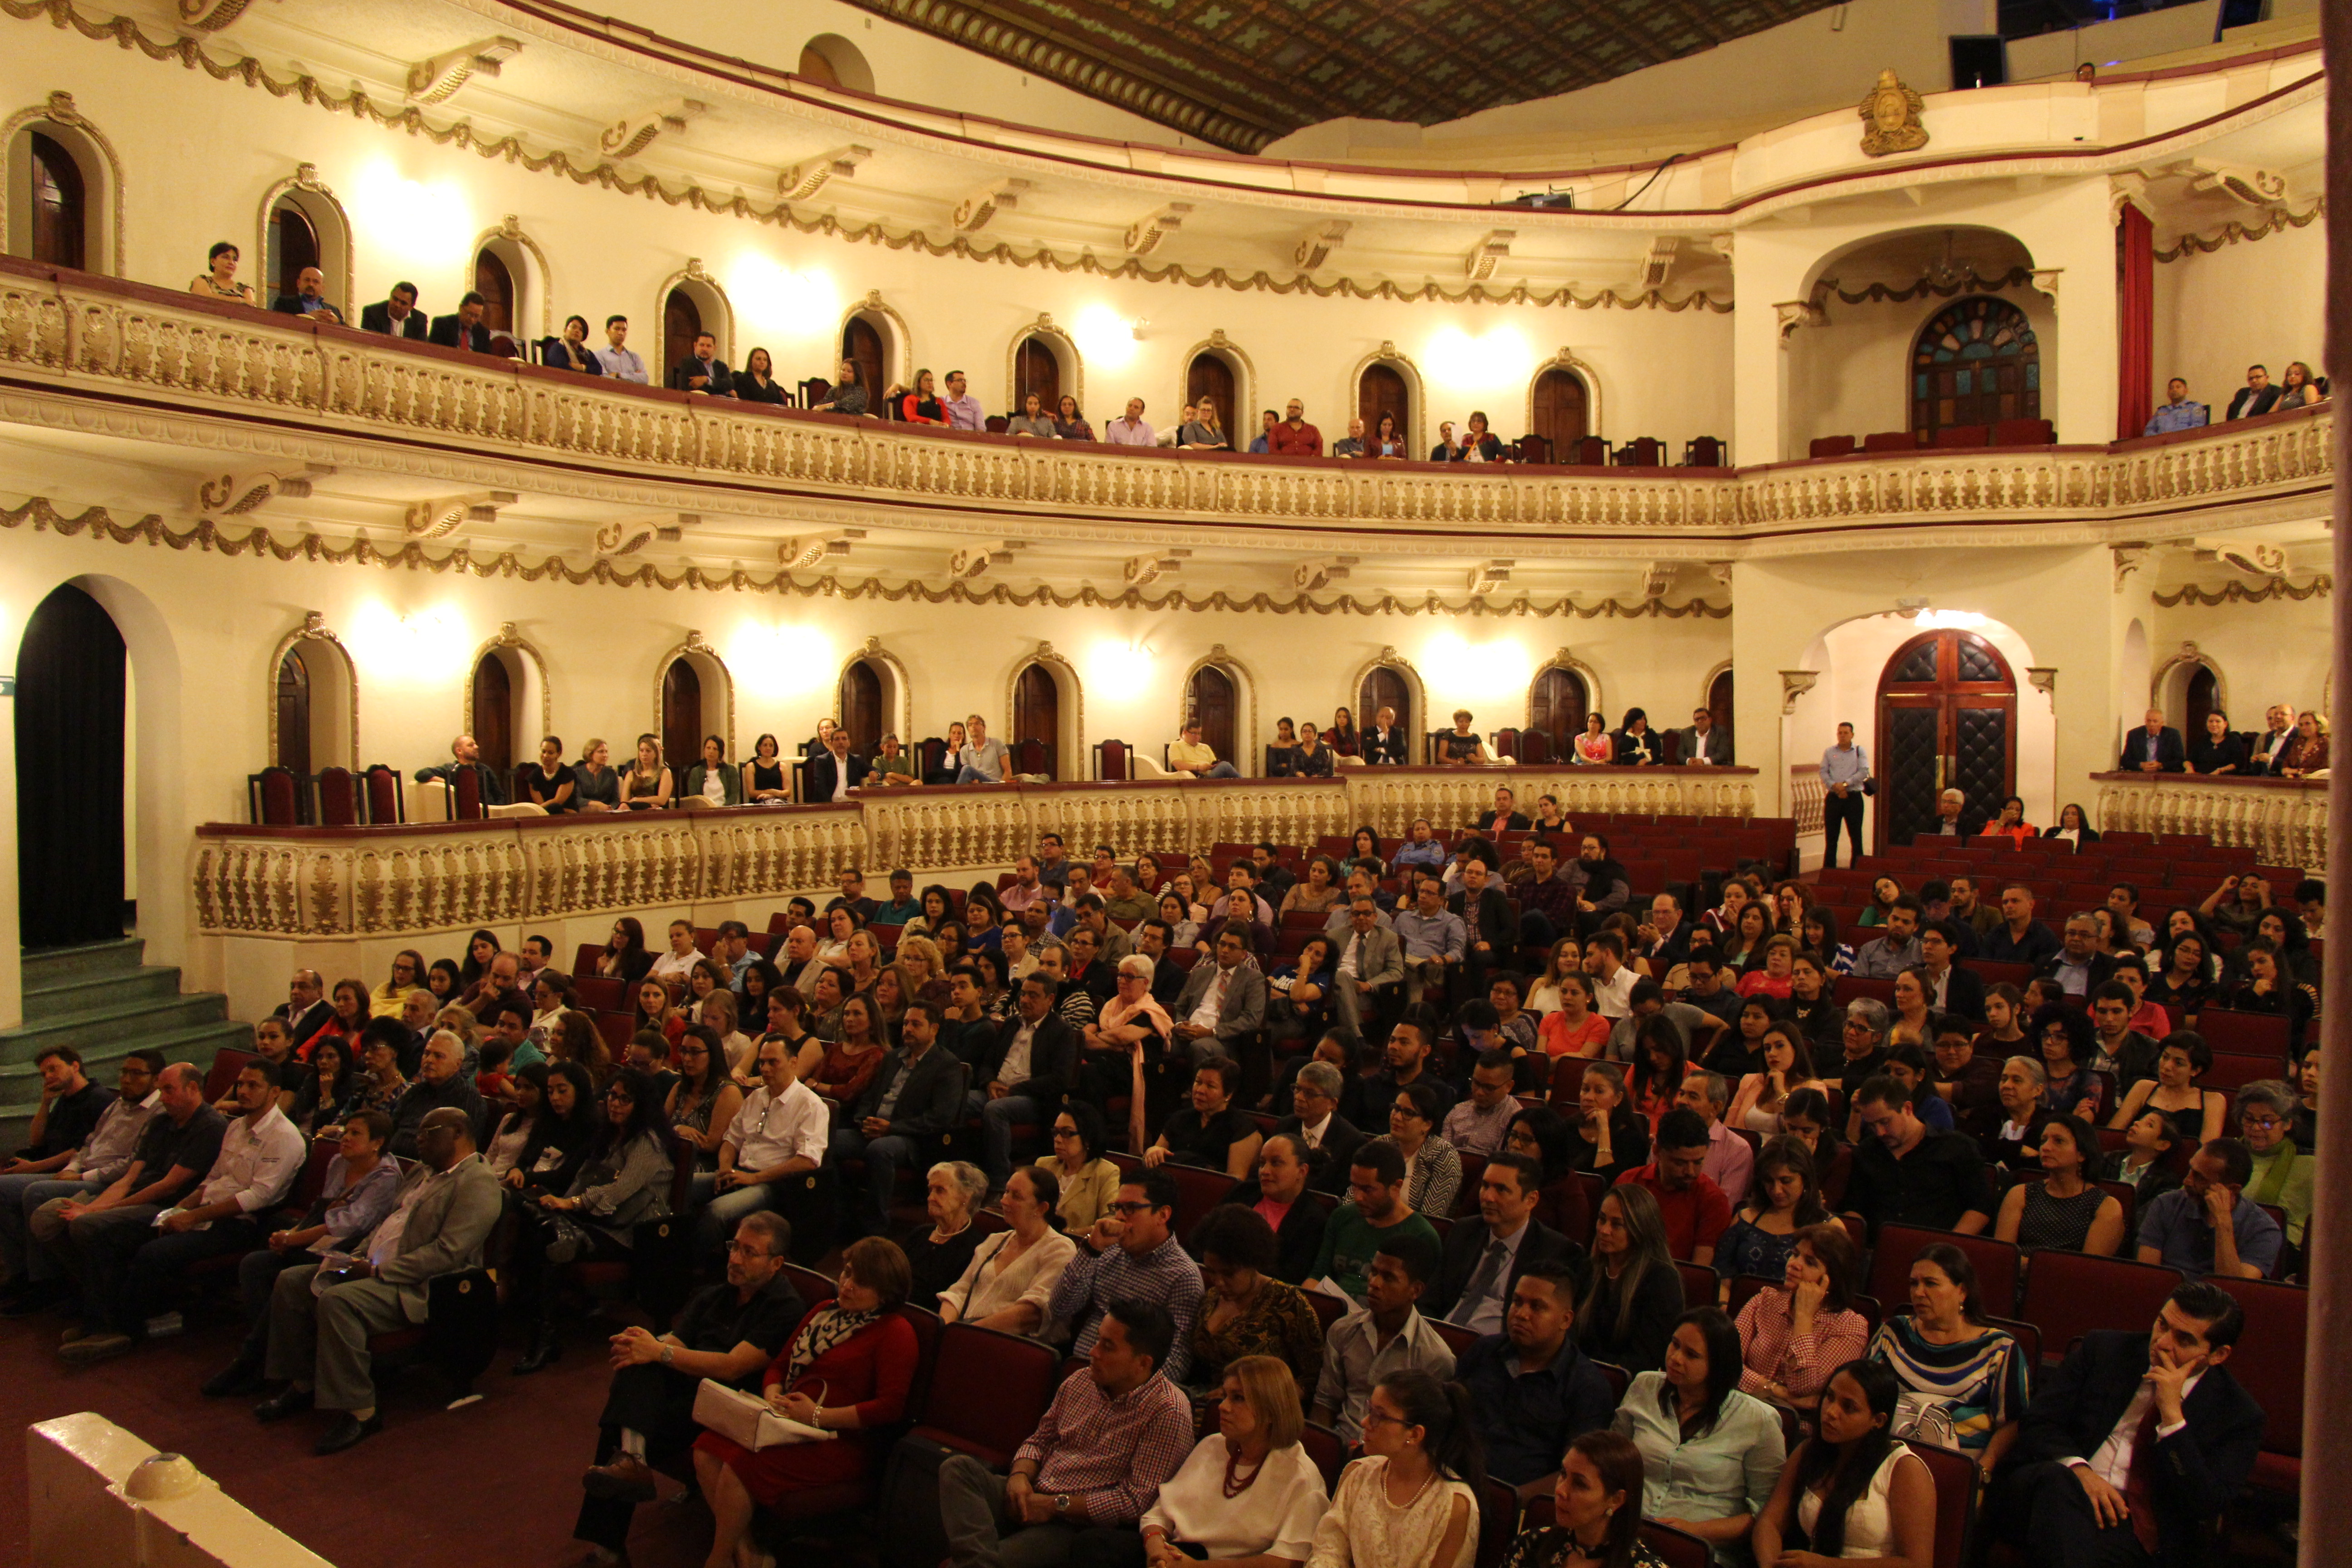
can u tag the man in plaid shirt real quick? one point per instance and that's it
(1113, 1433)
(1131, 1255)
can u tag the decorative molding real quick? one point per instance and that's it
(1563, 660)
(1070, 688)
(899, 360)
(2129, 558)
(314, 628)
(508, 637)
(1246, 699)
(512, 230)
(2234, 593)
(2190, 653)
(1795, 683)
(631, 135)
(1001, 194)
(1890, 110)
(1795, 314)
(696, 273)
(1316, 246)
(2279, 825)
(1706, 686)
(1396, 359)
(873, 651)
(436, 81)
(440, 518)
(210, 16)
(2045, 679)
(1244, 380)
(2254, 556)
(241, 491)
(305, 179)
(1144, 234)
(695, 645)
(60, 109)
(1924, 287)
(1565, 358)
(2234, 233)
(1074, 384)
(1493, 249)
(806, 178)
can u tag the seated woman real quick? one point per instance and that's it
(623, 1177)
(1245, 1311)
(219, 280)
(1822, 938)
(1606, 1136)
(331, 1087)
(1659, 1065)
(1311, 759)
(1319, 892)
(1788, 1068)
(2063, 1209)
(1775, 976)
(654, 1010)
(1595, 747)
(1912, 1020)
(1432, 1167)
(846, 395)
(2183, 1059)
(1573, 1029)
(625, 956)
(2306, 753)
(1088, 1182)
(1011, 1275)
(1459, 746)
(571, 351)
(1711, 1449)
(1540, 1135)
(710, 781)
(1794, 1334)
(1070, 424)
(757, 383)
(1411, 1502)
(1851, 1490)
(1806, 1118)
(1783, 1199)
(2010, 823)
(2283, 1174)
(1967, 1382)
(1032, 421)
(1597, 1500)
(1208, 1510)
(1637, 743)
(2266, 986)
(1812, 1000)
(850, 1061)
(648, 785)
(595, 787)
(1565, 957)
(1203, 432)
(858, 1356)
(703, 1102)
(1125, 1031)
(1211, 1131)
(1300, 1001)
(1634, 1293)
(408, 975)
(2067, 1045)
(954, 1192)
(2016, 1142)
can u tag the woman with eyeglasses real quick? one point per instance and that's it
(1411, 1502)
(624, 1179)
(702, 1104)
(1088, 1182)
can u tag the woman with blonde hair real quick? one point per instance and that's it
(1249, 1489)
(648, 785)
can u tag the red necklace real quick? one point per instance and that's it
(1234, 1488)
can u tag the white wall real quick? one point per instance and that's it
(1852, 377)
(2259, 301)
(2274, 652)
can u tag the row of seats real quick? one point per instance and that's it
(2005, 433)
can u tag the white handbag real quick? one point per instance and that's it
(747, 1420)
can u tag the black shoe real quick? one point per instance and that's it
(288, 1401)
(348, 1432)
(544, 1351)
(239, 1379)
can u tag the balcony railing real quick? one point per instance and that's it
(129, 351)
(2283, 822)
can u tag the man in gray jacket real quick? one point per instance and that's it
(1223, 1004)
(319, 1342)
(1369, 958)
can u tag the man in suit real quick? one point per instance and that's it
(1701, 744)
(1384, 740)
(2135, 1445)
(1507, 816)
(2267, 748)
(1491, 930)
(2255, 398)
(306, 1008)
(308, 298)
(2078, 966)
(1369, 958)
(1954, 818)
(703, 369)
(2154, 748)
(833, 772)
(1023, 1076)
(319, 1342)
(1950, 988)
(1283, 1169)
(1664, 938)
(916, 1095)
(1223, 1004)
(464, 330)
(396, 315)
(1330, 1139)
(1484, 1261)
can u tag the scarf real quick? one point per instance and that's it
(826, 1328)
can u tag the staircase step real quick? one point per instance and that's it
(97, 993)
(54, 965)
(90, 1030)
(20, 1085)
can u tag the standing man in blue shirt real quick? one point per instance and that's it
(1846, 768)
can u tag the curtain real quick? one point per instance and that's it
(2135, 322)
(69, 694)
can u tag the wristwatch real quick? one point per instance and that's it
(1061, 1502)
(669, 1353)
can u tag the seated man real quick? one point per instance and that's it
(2122, 1050)
(1950, 988)
(833, 772)
(319, 1338)
(441, 1081)
(1433, 937)
(1730, 1159)
(2179, 413)
(703, 369)
(1122, 899)
(617, 358)
(1114, 1434)
(1547, 902)
(1371, 957)
(2076, 1488)
(916, 1095)
(780, 1131)
(1130, 1254)
(396, 315)
(1486, 1260)
(1295, 437)
(1696, 1211)
(2208, 1224)
(464, 754)
(1278, 1195)
(502, 983)
(1531, 1389)
(982, 760)
(1647, 1001)
(308, 298)
(464, 330)
(2019, 938)
(1330, 1139)
(730, 1332)
(87, 1171)
(1373, 1217)
(1908, 1174)
(2078, 966)
(1223, 1006)
(1482, 1123)
(1387, 1334)
(1490, 931)
(1351, 444)
(1896, 947)
(1132, 430)
(93, 1238)
(1191, 755)
(259, 1160)
(68, 1113)
(2255, 398)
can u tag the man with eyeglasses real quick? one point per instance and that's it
(440, 1084)
(1131, 1255)
(1904, 1173)
(730, 1332)
(1330, 1139)
(1026, 1069)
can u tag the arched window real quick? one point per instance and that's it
(835, 61)
(1211, 701)
(63, 189)
(863, 713)
(293, 246)
(60, 214)
(1037, 368)
(1976, 363)
(1382, 389)
(1562, 411)
(495, 283)
(861, 344)
(312, 707)
(1037, 717)
(1385, 686)
(682, 727)
(494, 712)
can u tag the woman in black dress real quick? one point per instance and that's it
(2217, 750)
(547, 782)
(758, 382)
(764, 775)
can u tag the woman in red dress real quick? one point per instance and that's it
(846, 1368)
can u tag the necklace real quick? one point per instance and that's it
(1236, 1484)
(1426, 1481)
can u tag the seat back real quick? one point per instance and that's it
(1675, 1547)
(815, 1289)
(1891, 441)
(997, 424)
(386, 802)
(1498, 1522)
(1955, 1475)
(1535, 748)
(275, 797)
(465, 795)
(1111, 764)
(1592, 452)
(1323, 1445)
(1198, 1190)
(1033, 756)
(227, 1062)
(1830, 446)
(1996, 1263)
(2068, 1294)
(2023, 433)
(339, 798)
(989, 1390)
(1962, 435)
(1703, 452)
(2270, 1355)
(2244, 1033)
(1535, 450)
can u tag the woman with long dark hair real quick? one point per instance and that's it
(1793, 1333)
(623, 1177)
(1597, 1502)
(703, 1102)
(1853, 1490)
(1411, 1502)
(480, 948)
(1964, 1382)
(624, 956)
(1634, 1292)
(1711, 1453)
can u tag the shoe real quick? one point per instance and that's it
(103, 1345)
(348, 1432)
(70, 1334)
(235, 1381)
(626, 1479)
(164, 1325)
(287, 1401)
(544, 1351)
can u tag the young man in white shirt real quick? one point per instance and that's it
(781, 1133)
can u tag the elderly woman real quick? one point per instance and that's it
(1130, 1025)
(2282, 1174)
(1011, 1275)
(2016, 1144)
(1794, 1334)
(1249, 1492)
(1210, 1131)
(952, 1194)
(847, 1370)
(1432, 1167)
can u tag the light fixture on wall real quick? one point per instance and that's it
(1120, 670)
(419, 645)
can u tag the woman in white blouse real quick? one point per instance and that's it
(1411, 1502)
(1853, 1490)
(1012, 1274)
(1249, 1494)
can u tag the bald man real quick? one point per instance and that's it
(2154, 748)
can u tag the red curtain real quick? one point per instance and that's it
(2135, 322)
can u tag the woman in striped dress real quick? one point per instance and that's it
(1963, 1384)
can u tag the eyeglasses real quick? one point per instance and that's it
(1126, 1210)
(1382, 1418)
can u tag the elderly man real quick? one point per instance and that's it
(1384, 742)
(2271, 746)
(441, 1083)
(309, 298)
(319, 1336)
(1954, 819)
(94, 1237)
(89, 1169)
(306, 1008)
(1130, 1254)
(2078, 966)
(1351, 444)
(465, 755)
(2154, 748)
(464, 330)
(1330, 1139)
(730, 1332)
(2208, 1224)
(1192, 755)
(1123, 900)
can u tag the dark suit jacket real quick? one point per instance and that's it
(1467, 1240)
(1383, 746)
(451, 333)
(2168, 750)
(2102, 968)
(822, 771)
(1300, 1237)
(1718, 743)
(291, 305)
(1964, 993)
(931, 1103)
(1516, 823)
(2249, 403)
(1491, 922)
(1633, 748)
(722, 380)
(2198, 1469)
(1053, 1060)
(1341, 1142)
(377, 318)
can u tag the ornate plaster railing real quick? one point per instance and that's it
(118, 342)
(424, 879)
(2282, 821)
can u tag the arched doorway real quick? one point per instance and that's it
(494, 726)
(293, 246)
(815, 67)
(2202, 698)
(1563, 412)
(1213, 378)
(863, 712)
(60, 218)
(1037, 714)
(294, 714)
(1718, 701)
(1557, 708)
(1381, 390)
(1975, 363)
(1947, 719)
(1209, 700)
(1385, 688)
(70, 682)
(1036, 368)
(862, 346)
(681, 324)
(681, 716)
(496, 285)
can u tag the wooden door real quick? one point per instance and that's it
(1557, 706)
(1037, 712)
(71, 683)
(681, 324)
(861, 708)
(1213, 378)
(1718, 701)
(494, 714)
(2201, 686)
(1947, 719)
(862, 345)
(293, 246)
(681, 717)
(1562, 415)
(1384, 688)
(1034, 369)
(495, 284)
(59, 218)
(1210, 701)
(294, 714)
(1380, 390)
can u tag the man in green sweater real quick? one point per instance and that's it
(1375, 1214)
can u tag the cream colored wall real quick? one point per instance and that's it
(2272, 652)
(2256, 302)
(1852, 377)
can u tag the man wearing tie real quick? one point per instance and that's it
(2154, 748)
(1330, 1138)
(1702, 744)
(1384, 743)
(2134, 1446)
(1223, 1004)
(1483, 1261)
(2272, 743)
(834, 773)
(1369, 958)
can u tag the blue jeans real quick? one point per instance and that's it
(869, 1213)
(969, 774)
(19, 1196)
(1220, 771)
(997, 1119)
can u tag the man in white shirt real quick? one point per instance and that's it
(262, 1156)
(1612, 979)
(779, 1134)
(1386, 1334)
(617, 360)
(2272, 743)
(961, 408)
(1730, 1164)
(679, 962)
